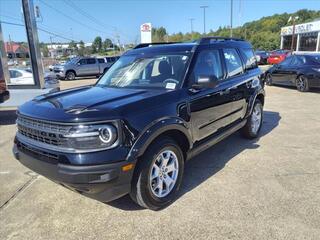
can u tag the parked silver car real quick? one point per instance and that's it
(79, 67)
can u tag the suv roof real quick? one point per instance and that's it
(188, 46)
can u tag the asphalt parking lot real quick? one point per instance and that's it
(267, 188)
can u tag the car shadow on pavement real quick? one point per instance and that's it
(8, 117)
(211, 161)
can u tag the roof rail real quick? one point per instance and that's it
(208, 40)
(143, 45)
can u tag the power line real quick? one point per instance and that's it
(40, 29)
(90, 17)
(41, 25)
(71, 18)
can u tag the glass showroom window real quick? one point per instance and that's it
(308, 41)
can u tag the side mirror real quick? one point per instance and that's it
(205, 82)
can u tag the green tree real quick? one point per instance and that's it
(73, 46)
(263, 33)
(107, 44)
(97, 45)
(81, 48)
(159, 34)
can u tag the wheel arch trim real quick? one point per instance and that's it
(151, 132)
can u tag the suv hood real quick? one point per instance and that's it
(92, 103)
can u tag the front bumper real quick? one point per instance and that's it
(60, 74)
(103, 182)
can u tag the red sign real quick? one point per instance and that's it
(145, 27)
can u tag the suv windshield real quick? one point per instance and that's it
(158, 71)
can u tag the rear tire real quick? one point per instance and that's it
(254, 122)
(302, 84)
(158, 175)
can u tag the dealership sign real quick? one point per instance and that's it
(302, 28)
(146, 31)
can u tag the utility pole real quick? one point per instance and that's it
(204, 18)
(231, 18)
(191, 24)
(293, 19)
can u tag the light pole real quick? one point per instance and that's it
(231, 18)
(191, 24)
(293, 19)
(204, 18)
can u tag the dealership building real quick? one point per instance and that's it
(306, 37)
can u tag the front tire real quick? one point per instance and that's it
(268, 79)
(302, 84)
(70, 76)
(252, 128)
(158, 175)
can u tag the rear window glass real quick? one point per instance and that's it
(249, 57)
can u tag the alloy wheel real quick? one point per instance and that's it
(164, 173)
(256, 118)
(301, 85)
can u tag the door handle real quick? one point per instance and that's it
(224, 92)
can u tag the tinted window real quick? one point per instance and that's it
(233, 62)
(286, 62)
(208, 64)
(91, 61)
(83, 61)
(15, 74)
(298, 60)
(250, 59)
(100, 60)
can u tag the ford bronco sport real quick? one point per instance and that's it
(132, 131)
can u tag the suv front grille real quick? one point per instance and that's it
(42, 131)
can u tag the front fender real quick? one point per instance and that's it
(153, 130)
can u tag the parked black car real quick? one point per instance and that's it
(262, 57)
(302, 71)
(132, 132)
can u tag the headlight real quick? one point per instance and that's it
(92, 137)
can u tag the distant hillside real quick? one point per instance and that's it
(263, 33)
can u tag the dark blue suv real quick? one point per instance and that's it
(133, 131)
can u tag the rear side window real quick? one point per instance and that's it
(233, 62)
(100, 60)
(298, 60)
(208, 64)
(249, 57)
(91, 61)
